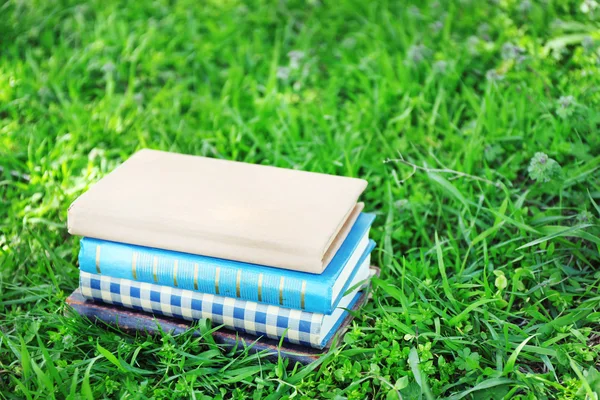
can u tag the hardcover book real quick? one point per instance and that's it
(138, 322)
(290, 289)
(251, 213)
(294, 326)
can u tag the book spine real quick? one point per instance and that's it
(203, 274)
(295, 326)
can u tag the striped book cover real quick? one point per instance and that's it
(257, 283)
(295, 326)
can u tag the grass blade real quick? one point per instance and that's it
(448, 188)
(442, 269)
(572, 231)
(488, 383)
(413, 361)
(110, 357)
(510, 364)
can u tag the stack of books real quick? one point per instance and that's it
(265, 251)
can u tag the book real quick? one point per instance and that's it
(285, 288)
(251, 213)
(294, 326)
(143, 323)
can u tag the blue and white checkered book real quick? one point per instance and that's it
(295, 326)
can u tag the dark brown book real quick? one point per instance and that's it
(132, 321)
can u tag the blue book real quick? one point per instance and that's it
(295, 326)
(257, 283)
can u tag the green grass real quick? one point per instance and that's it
(490, 280)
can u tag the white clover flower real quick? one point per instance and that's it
(138, 98)
(44, 92)
(513, 52)
(588, 44)
(473, 45)
(557, 24)
(437, 26)
(440, 66)
(109, 67)
(543, 168)
(493, 76)
(565, 109)
(414, 11)
(585, 217)
(401, 204)
(296, 55)
(566, 101)
(348, 42)
(588, 6)
(283, 73)
(483, 29)
(509, 51)
(525, 6)
(418, 53)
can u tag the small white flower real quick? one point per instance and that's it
(296, 55)
(348, 42)
(418, 53)
(483, 29)
(138, 98)
(557, 23)
(80, 9)
(588, 5)
(109, 67)
(565, 106)
(493, 76)
(525, 6)
(401, 204)
(437, 26)
(440, 66)
(44, 92)
(512, 52)
(414, 11)
(566, 101)
(588, 44)
(283, 73)
(473, 45)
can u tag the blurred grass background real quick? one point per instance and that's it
(489, 251)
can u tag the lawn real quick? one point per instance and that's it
(475, 123)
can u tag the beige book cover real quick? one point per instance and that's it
(253, 213)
